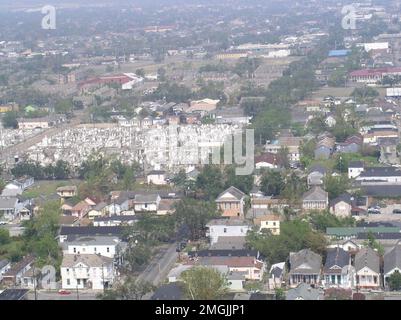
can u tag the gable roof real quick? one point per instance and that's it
(90, 260)
(336, 257)
(318, 168)
(315, 193)
(367, 257)
(392, 259)
(346, 197)
(236, 193)
(305, 292)
(305, 261)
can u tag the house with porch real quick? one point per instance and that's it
(367, 267)
(315, 199)
(337, 270)
(87, 271)
(305, 267)
(231, 202)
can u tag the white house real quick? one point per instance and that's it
(226, 228)
(355, 168)
(367, 267)
(87, 271)
(157, 177)
(20, 184)
(106, 246)
(5, 265)
(146, 202)
(118, 206)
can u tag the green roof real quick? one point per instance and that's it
(30, 108)
(353, 231)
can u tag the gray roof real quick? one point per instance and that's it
(392, 259)
(3, 263)
(316, 193)
(381, 172)
(100, 206)
(8, 202)
(336, 257)
(305, 262)
(367, 257)
(356, 164)
(90, 260)
(318, 168)
(227, 222)
(146, 198)
(305, 292)
(230, 242)
(92, 240)
(238, 194)
(382, 190)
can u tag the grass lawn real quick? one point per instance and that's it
(47, 187)
(341, 92)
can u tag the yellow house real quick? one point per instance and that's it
(269, 222)
(8, 107)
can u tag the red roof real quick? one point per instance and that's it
(269, 157)
(374, 72)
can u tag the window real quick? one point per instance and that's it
(68, 282)
(225, 230)
(108, 249)
(75, 250)
(95, 249)
(68, 270)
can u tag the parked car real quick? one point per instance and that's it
(374, 211)
(64, 292)
(397, 211)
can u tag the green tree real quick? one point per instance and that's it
(136, 256)
(10, 120)
(279, 293)
(140, 72)
(294, 236)
(64, 106)
(242, 182)
(323, 220)
(336, 185)
(4, 237)
(394, 281)
(202, 283)
(372, 243)
(210, 181)
(194, 214)
(130, 289)
(272, 183)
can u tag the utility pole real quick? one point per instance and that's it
(103, 277)
(34, 283)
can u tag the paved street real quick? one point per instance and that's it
(161, 264)
(74, 295)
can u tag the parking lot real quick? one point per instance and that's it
(386, 214)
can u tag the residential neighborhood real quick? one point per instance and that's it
(188, 151)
